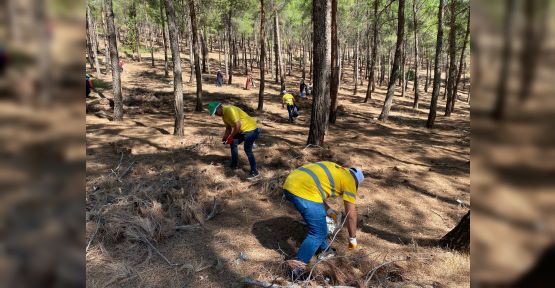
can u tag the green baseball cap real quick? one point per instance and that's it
(212, 106)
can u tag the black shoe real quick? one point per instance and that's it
(297, 274)
(253, 175)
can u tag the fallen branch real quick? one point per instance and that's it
(213, 213)
(252, 282)
(312, 145)
(187, 227)
(126, 171)
(373, 271)
(92, 237)
(159, 253)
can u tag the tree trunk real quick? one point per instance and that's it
(403, 65)
(205, 58)
(191, 53)
(226, 56)
(334, 81)
(166, 74)
(452, 59)
(415, 24)
(91, 35)
(310, 59)
(116, 80)
(177, 81)
(370, 88)
(499, 108)
(437, 72)
(322, 58)
(458, 238)
(303, 58)
(427, 73)
(150, 37)
(356, 64)
(277, 53)
(106, 49)
(395, 70)
(198, 72)
(262, 58)
(230, 49)
(461, 61)
(138, 41)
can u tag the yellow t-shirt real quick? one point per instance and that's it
(288, 99)
(232, 114)
(320, 180)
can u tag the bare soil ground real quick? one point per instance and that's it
(142, 182)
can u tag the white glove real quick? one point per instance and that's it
(352, 243)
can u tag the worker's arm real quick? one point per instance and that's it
(351, 210)
(227, 132)
(236, 129)
(326, 205)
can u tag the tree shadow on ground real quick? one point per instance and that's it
(281, 234)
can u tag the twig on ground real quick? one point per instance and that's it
(126, 171)
(158, 252)
(119, 164)
(329, 245)
(94, 234)
(312, 145)
(444, 221)
(187, 227)
(213, 213)
(253, 282)
(373, 271)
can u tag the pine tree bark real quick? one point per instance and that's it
(230, 49)
(452, 59)
(461, 62)
(116, 78)
(198, 72)
(356, 63)
(334, 81)
(91, 35)
(459, 238)
(106, 49)
(262, 57)
(151, 40)
(177, 77)
(437, 71)
(277, 48)
(427, 73)
(395, 70)
(321, 16)
(416, 60)
(166, 74)
(371, 79)
(205, 60)
(499, 108)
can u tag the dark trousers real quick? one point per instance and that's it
(248, 137)
(290, 111)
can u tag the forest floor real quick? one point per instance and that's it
(142, 181)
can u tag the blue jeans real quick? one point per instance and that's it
(290, 111)
(248, 137)
(314, 214)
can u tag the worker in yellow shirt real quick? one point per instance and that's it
(307, 188)
(291, 107)
(239, 127)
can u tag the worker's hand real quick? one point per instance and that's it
(332, 214)
(352, 243)
(229, 140)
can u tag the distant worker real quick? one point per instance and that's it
(219, 78)
(88, 84)
(307, 188)
(289, 100)
(302, 88)
(239, 127)
(120, 65)
(250, 83)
